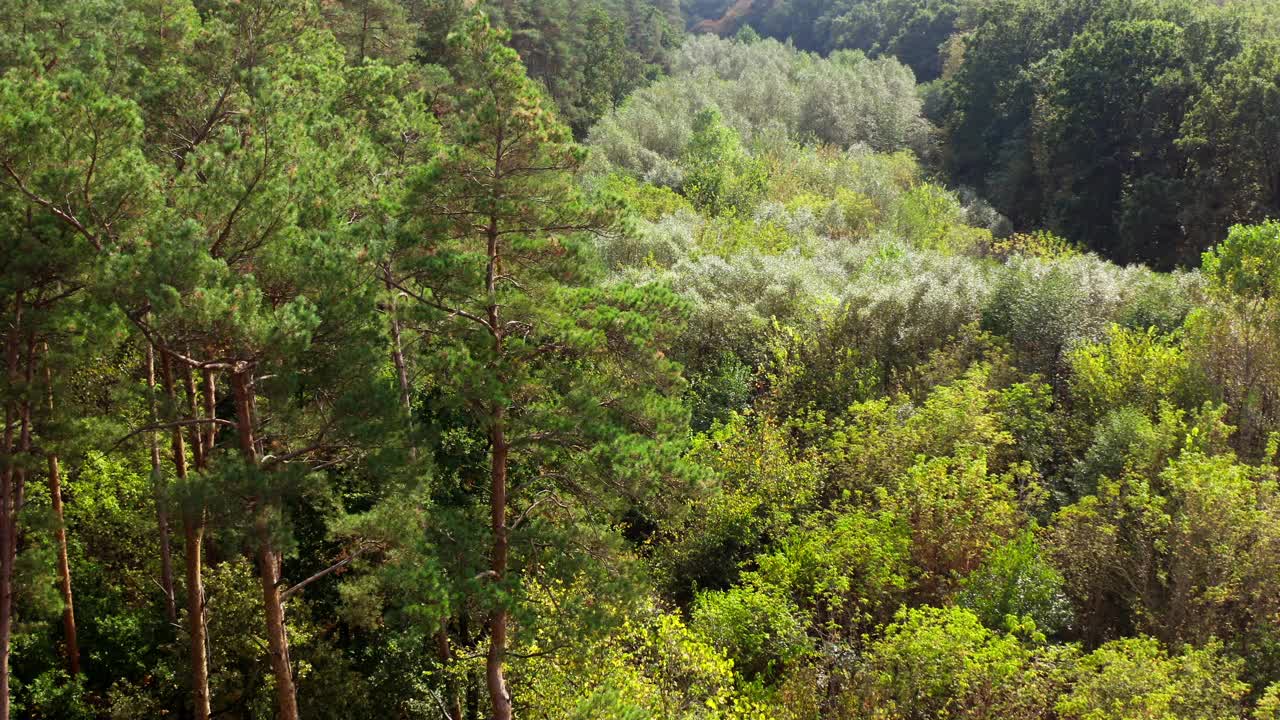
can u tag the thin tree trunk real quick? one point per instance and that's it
(267, 559)
(473, 696)
(24, 443)
(9, 505)
(209, 398)
(470, 690)
(364, 32)
(19, 477)
(60, 539)
(498, 692)
(210, 411)
(193, 513)
(444, 650)
(193, 537)
(198, 451)
(158, 487)
(397, 350)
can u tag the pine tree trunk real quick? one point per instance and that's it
(198, 452)
(8, 546)
(444, 649)
(210, 411)
(397, 350)
(64, 569)
(499, 695)
(364, 31)
(60, 539)
(193, 539)
(9, 508)
(397, 355)
(193, 560)
(267, 559)
(158, 487)
(14, 499)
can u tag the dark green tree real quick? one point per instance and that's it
(1232, 136)
(1112, 107)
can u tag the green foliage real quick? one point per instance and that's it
(650, 202)
(656, 668)
(718, 175)
(845, 571)
(957, 513)
(819, 368)
(1227, 132)
(849, 214)
(1187, 534)
(934, 220)
(1229, 336)
(1137, 678)
(942, 663)
(1131, 368)
(372, 29)
(908, 29)
(876, 442)
(720, 390)
(1112, 96)
(1245, 270)
(590, 55)
(1081, 115)
(1046, 307)
(753, 407)
(1040, 244)
(769, 95)
(1269, 704)
(757, 630)
(1120, 435)
(1015, 582)
(765, 483)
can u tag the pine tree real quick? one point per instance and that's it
(253, 280)
(371, 29)
(560, 374)
(73, 185)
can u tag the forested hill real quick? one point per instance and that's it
(539, 359)
(1142, 129)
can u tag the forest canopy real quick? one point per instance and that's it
(1128, 126)
(640, 360)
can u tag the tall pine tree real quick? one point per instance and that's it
(560, 374)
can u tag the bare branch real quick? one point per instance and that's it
(443, 308)
(170, 426)
(58, 212)
(327, 571)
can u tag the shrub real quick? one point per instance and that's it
(1186, 553)
(765, 484)
(761, 89)
(1137, 678)
(935, 663)
(1014, 582)
(1136, 368)
(759, 631)
(847, 570)
(957, 512)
